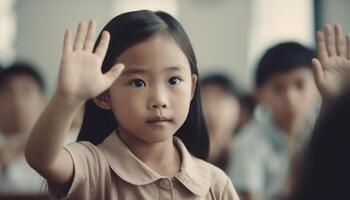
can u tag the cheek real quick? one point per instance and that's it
(183, 89)
(36, 102)
(235, 114)
(230, 115)
(125, 101)
(311, 95)
(273, 100)
(278, 106)
(180, 100)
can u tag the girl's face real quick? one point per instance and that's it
(151, 98)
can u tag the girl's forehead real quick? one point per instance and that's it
(159, 50)
(151, 70)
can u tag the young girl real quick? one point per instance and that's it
(143, 134)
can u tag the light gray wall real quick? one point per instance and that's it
(41, 25)
(337, 11)
(219, 34)
(218, 30)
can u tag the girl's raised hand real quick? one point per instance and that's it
(80, 76)
(332, 68)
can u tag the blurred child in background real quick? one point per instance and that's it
(22, 97)
(221, 110)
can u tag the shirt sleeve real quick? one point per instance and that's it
(229, 191)
(86, 173)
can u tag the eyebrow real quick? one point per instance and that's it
(137, 70)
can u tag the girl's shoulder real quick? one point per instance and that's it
(198, 168)
(84, 150)
(216, 174)
(90, 168)
(220, 185)
(202, 177)
(85, 146)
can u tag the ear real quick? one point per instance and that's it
(194, 84)
(258, 95)
(103, 101)
(262, 95)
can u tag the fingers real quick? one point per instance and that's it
(67, 46)
(88, 43)
(103, 45)
(318, 72)
(348, 45)
(321, 46)
(339, 40)
(329, 36)
(114, 73)
(331, 42)
(89, 39)
(78, 42)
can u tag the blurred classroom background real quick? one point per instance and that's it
(228, 35)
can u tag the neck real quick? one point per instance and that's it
(162, 157)
(291, 127)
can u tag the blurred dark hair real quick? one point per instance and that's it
(221, 81)
(22, 68)
(126, 30)
(247, 101)
(282, 58)
(325, 172)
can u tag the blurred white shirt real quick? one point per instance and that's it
(260, 161)
(19, 177)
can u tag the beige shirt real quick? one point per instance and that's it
(111, 171)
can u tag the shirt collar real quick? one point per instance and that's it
(275, 134)
(280, 138)
(194, 173)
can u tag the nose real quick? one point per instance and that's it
(292, 98)
(158, 102)
(159, 105)
(158, 99)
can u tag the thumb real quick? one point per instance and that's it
(114, 73)
(318, 72)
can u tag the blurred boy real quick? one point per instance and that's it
(287, 97)
(21, 101)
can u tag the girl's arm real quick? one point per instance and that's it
(80, 78)
(332, 68)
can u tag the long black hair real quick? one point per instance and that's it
(126, 30)
(325, 171)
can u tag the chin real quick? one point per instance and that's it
(150, 135)
(157, 138)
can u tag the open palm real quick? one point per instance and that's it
(332, 69)
(80, 73)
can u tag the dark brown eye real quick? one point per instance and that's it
(174, 80)
(138, 83)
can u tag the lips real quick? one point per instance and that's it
(158, 119)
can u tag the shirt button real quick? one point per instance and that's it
(165, 184)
